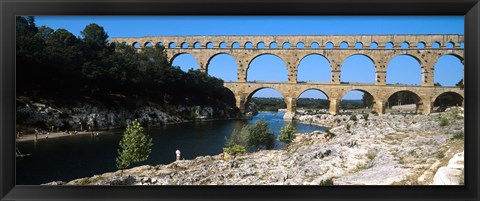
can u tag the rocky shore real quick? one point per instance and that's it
(90, 116)
(360, 150)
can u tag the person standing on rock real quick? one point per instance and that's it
(178, 154)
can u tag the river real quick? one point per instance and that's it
(71, 157)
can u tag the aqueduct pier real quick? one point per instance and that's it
(380, 49)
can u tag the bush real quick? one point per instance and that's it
(353, 117)
(365, 116)
(458, 136)
(235, 150)
(259, 135)
(348, 126)
(135, 146)
(326, 182)
(444, 121)
(287, 134)
(238, 137)
(329, 134)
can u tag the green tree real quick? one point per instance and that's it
(239, 137)
(287, 134)
(260, 135)
(135, 146)
(95, 36)
(367, 100)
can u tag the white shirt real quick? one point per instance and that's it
(178, 152)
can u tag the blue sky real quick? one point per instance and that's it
(402, 69)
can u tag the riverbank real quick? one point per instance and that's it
(41, 137)
(79, 115)
(377, 150)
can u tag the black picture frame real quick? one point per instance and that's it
(9, 9)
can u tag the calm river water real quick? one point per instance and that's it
(71, 157)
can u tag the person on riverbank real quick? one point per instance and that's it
(178, 154)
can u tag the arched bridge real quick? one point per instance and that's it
(380, 49)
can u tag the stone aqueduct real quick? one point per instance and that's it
(246, 48)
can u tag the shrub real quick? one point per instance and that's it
(458, 135)
(287, 134)
(329, 134)
(353, 117)
(365, 116)
(259, 135)
(443, 121)
(235, 150)
(326, 182)
(348, 126)
(239, 137)
(135, 146)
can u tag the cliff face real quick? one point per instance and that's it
(378, 150)
(96, 116)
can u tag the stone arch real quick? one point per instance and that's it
(389, 45)
(314, 45)
(197, 45)
(230, 97)
(358, 45)
(184, 45)
(147, 44)
(389, 70)
(252, 91)
(300, 45)
(235, 45)
(344, 45)
(448, 98)
(222, 45)
(444, 72)
(273, 45)
(184, 53)
(248, 45)
(136, 45)
(357, 56)
(450, 45)
(405, 45)
(373, 45)
(329, 45)
(234, 74)
(395, 99)
(261, 45)
(315, 89)
(436, 45)
(172, 45)
(159, 44)
(209, 45)
(286, 45)
(369, 94)
(342, 94)
(263, 54)
(421, 45)
(300, 75)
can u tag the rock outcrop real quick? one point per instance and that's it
(100, 117)
(453, 173)
(377, 150)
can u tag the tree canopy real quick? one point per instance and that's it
(57, 64)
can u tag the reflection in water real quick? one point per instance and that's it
(77, 156)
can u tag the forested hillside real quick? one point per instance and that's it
(57, 65)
